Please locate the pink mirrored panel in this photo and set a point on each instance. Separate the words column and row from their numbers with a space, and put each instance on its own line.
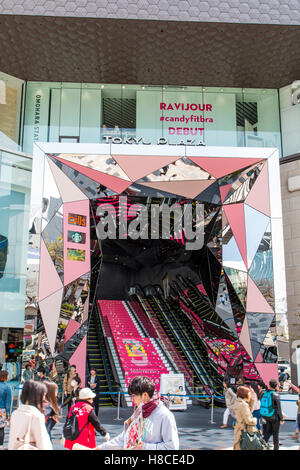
column 189, row 189
column 259, row 196
column 267, row 372
column 219, row 167
column 112, row 182
column 224, row 190
column 137, row 166
column 255, row 300
column 236, row 219
column 50, row 311
column 68, row 190
column 49, row 280
column 245, row 338
column 71, row 329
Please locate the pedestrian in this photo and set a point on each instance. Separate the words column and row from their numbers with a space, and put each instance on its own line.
column 87, row 421
column 51, row 406
column 296, row 434
column 5, row 404
column 28, row 373
column 94, row 384
column 159, row 425
column 67, row 384
column 32, row 362
column 258, row 392
column 71, row 398
column 271, row 412
column 243, row 412
column 27, row 424
column 225, row 293
column 41, row 374
column 230, row 398
column 283, row 377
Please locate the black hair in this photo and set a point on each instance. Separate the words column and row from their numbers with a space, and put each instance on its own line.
column 77, row 379
column 41, row 369
column 273, row 383
column 33, row 394
column 140, row 385
column 73, row 365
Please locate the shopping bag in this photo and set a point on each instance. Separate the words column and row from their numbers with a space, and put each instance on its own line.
column 252, row 441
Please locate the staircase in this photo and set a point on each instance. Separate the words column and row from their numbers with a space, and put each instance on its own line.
column 97, row 358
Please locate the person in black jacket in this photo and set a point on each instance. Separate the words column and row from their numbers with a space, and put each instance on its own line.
column 71, row 398
column 94, row 384
column 272, row 424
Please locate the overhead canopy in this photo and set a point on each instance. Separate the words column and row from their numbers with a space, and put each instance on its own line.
column 149, row 52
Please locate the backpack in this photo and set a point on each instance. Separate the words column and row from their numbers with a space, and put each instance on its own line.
column 266, row 405
column 71, row 428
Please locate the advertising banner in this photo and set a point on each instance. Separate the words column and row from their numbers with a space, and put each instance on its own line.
column 173, row 384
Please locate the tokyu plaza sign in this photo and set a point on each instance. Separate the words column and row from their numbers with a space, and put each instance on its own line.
column 109, row 139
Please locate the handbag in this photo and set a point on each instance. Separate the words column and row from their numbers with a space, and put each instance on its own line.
column 24, row 443
column 252, row 441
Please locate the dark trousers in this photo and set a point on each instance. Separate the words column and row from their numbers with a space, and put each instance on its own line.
column 50, row 423
column 1, row 436
column 271, row 428
column 96, row 404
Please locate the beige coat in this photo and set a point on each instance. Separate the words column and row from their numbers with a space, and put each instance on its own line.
column 21, row 419
column 244, row 419
column 230, row 399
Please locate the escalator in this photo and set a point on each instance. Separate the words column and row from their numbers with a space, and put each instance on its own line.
column 98, row 358
column 202, row 308
column 190, row 342
column 168, row 328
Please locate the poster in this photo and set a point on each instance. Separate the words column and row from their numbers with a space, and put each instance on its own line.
column 173, row 384
column 133, row 429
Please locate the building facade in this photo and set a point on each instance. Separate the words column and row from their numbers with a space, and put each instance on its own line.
column 172, row 74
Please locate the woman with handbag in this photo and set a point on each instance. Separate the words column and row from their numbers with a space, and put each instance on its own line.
column 51, row 406
column 27, row 424
column 5, row 402
column 243, row 412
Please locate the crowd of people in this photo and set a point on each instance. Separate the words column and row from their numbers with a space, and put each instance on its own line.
column 253, row 409
column 32, row 422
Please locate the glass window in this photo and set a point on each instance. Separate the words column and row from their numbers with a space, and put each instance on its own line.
column 70, row 112
column 11, row 91
column 260, row 111
column 15, row 181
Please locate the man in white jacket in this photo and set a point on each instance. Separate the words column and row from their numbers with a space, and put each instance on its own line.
column 159, row 425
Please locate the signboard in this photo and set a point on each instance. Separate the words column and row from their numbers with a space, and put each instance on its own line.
column 173, row 384
column 77, row 219
column 189, row 117
column 76, row 237
column 75, row 255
